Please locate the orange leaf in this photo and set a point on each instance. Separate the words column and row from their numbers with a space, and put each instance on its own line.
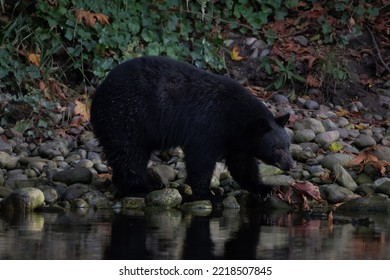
column 235, row 54
column 91, row 18
column 34, row 58
column 313, row 82
column 82, row 110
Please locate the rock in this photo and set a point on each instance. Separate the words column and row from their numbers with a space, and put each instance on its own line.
column 167, row 198
column 4, row 191
column 199, row 207
column 384, row 188
column 304, row 135
column 54, row 148
column 331, row 160
column 311, row 105
column 365, row 189
column 101, row 168
column 335, row 194
column 165, row 172
column 364, row 179
column 72, row 176
column 382, row 153
column 343, row 122
column 277, row 180
column 269, row 170
column 374, row 203
column 364, row 141
column 96, row 199
column 14, row 179
column 8, row 161
column 302, row 40
column 132, row 203
column 79, row 203
column 75, row 191
column 21, row 200
column 344, row 178
column 328, row 137
column 280, row 99
column 381, row 181
column 230, row 202
column 5, row 145
column 85, row 163
column 310, row 123
column 51, row 195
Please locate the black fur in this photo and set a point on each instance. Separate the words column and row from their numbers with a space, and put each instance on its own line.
column 155, row 103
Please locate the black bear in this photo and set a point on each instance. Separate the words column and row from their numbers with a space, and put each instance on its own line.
column 155, row 103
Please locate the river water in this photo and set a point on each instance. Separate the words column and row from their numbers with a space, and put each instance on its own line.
column 172, row 234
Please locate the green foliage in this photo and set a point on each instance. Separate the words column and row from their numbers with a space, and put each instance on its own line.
column 285, row 72
column 79, row 51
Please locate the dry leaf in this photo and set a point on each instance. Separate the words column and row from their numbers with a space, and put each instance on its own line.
column 307, row 189
column 235, row 54
column 82, row 110
column 34, row 58
column 91, row 18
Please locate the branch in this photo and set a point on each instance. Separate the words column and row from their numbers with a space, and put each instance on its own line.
column 377, row 49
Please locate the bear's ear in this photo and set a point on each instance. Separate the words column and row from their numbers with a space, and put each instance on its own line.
column 259, row 126
column 282, row 120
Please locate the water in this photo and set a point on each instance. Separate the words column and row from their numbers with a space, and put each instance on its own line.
column 172, row 234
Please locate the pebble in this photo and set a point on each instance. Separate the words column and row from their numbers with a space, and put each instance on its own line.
column 344, row 178
column 364, row 141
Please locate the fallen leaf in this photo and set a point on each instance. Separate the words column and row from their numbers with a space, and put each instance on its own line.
column 235, row 54
column 34, row 58
column 91, row 18
column 307, row 189
column 82, row 110
column 335, row 146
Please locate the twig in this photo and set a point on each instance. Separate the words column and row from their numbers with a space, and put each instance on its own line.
column 377, row 49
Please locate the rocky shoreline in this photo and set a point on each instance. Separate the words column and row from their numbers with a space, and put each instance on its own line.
column 344, row 157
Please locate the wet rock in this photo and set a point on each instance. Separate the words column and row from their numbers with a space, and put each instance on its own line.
column 374, row 203
column 230, row 202
column 335, row 194
column 331, row 160
column 4, row 191
column 96, row 199
column 75, row 191
column 8, row 161
column 310, row 123
column 72, row 176
column 364, row 141
column 199, row 207
column 304, row 135
column 167, row 198
column 132, row 203
column 79, row 203
column 26, row 199
column 344, row 178
column 51, row 195
column 327, row 137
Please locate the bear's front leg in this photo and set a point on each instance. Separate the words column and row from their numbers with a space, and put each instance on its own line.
column 200, row 170
column 245, row 171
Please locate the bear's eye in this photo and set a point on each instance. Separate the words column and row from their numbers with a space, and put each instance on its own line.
column 278, row 147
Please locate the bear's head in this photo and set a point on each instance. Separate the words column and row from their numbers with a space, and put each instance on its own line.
column 272, row 142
